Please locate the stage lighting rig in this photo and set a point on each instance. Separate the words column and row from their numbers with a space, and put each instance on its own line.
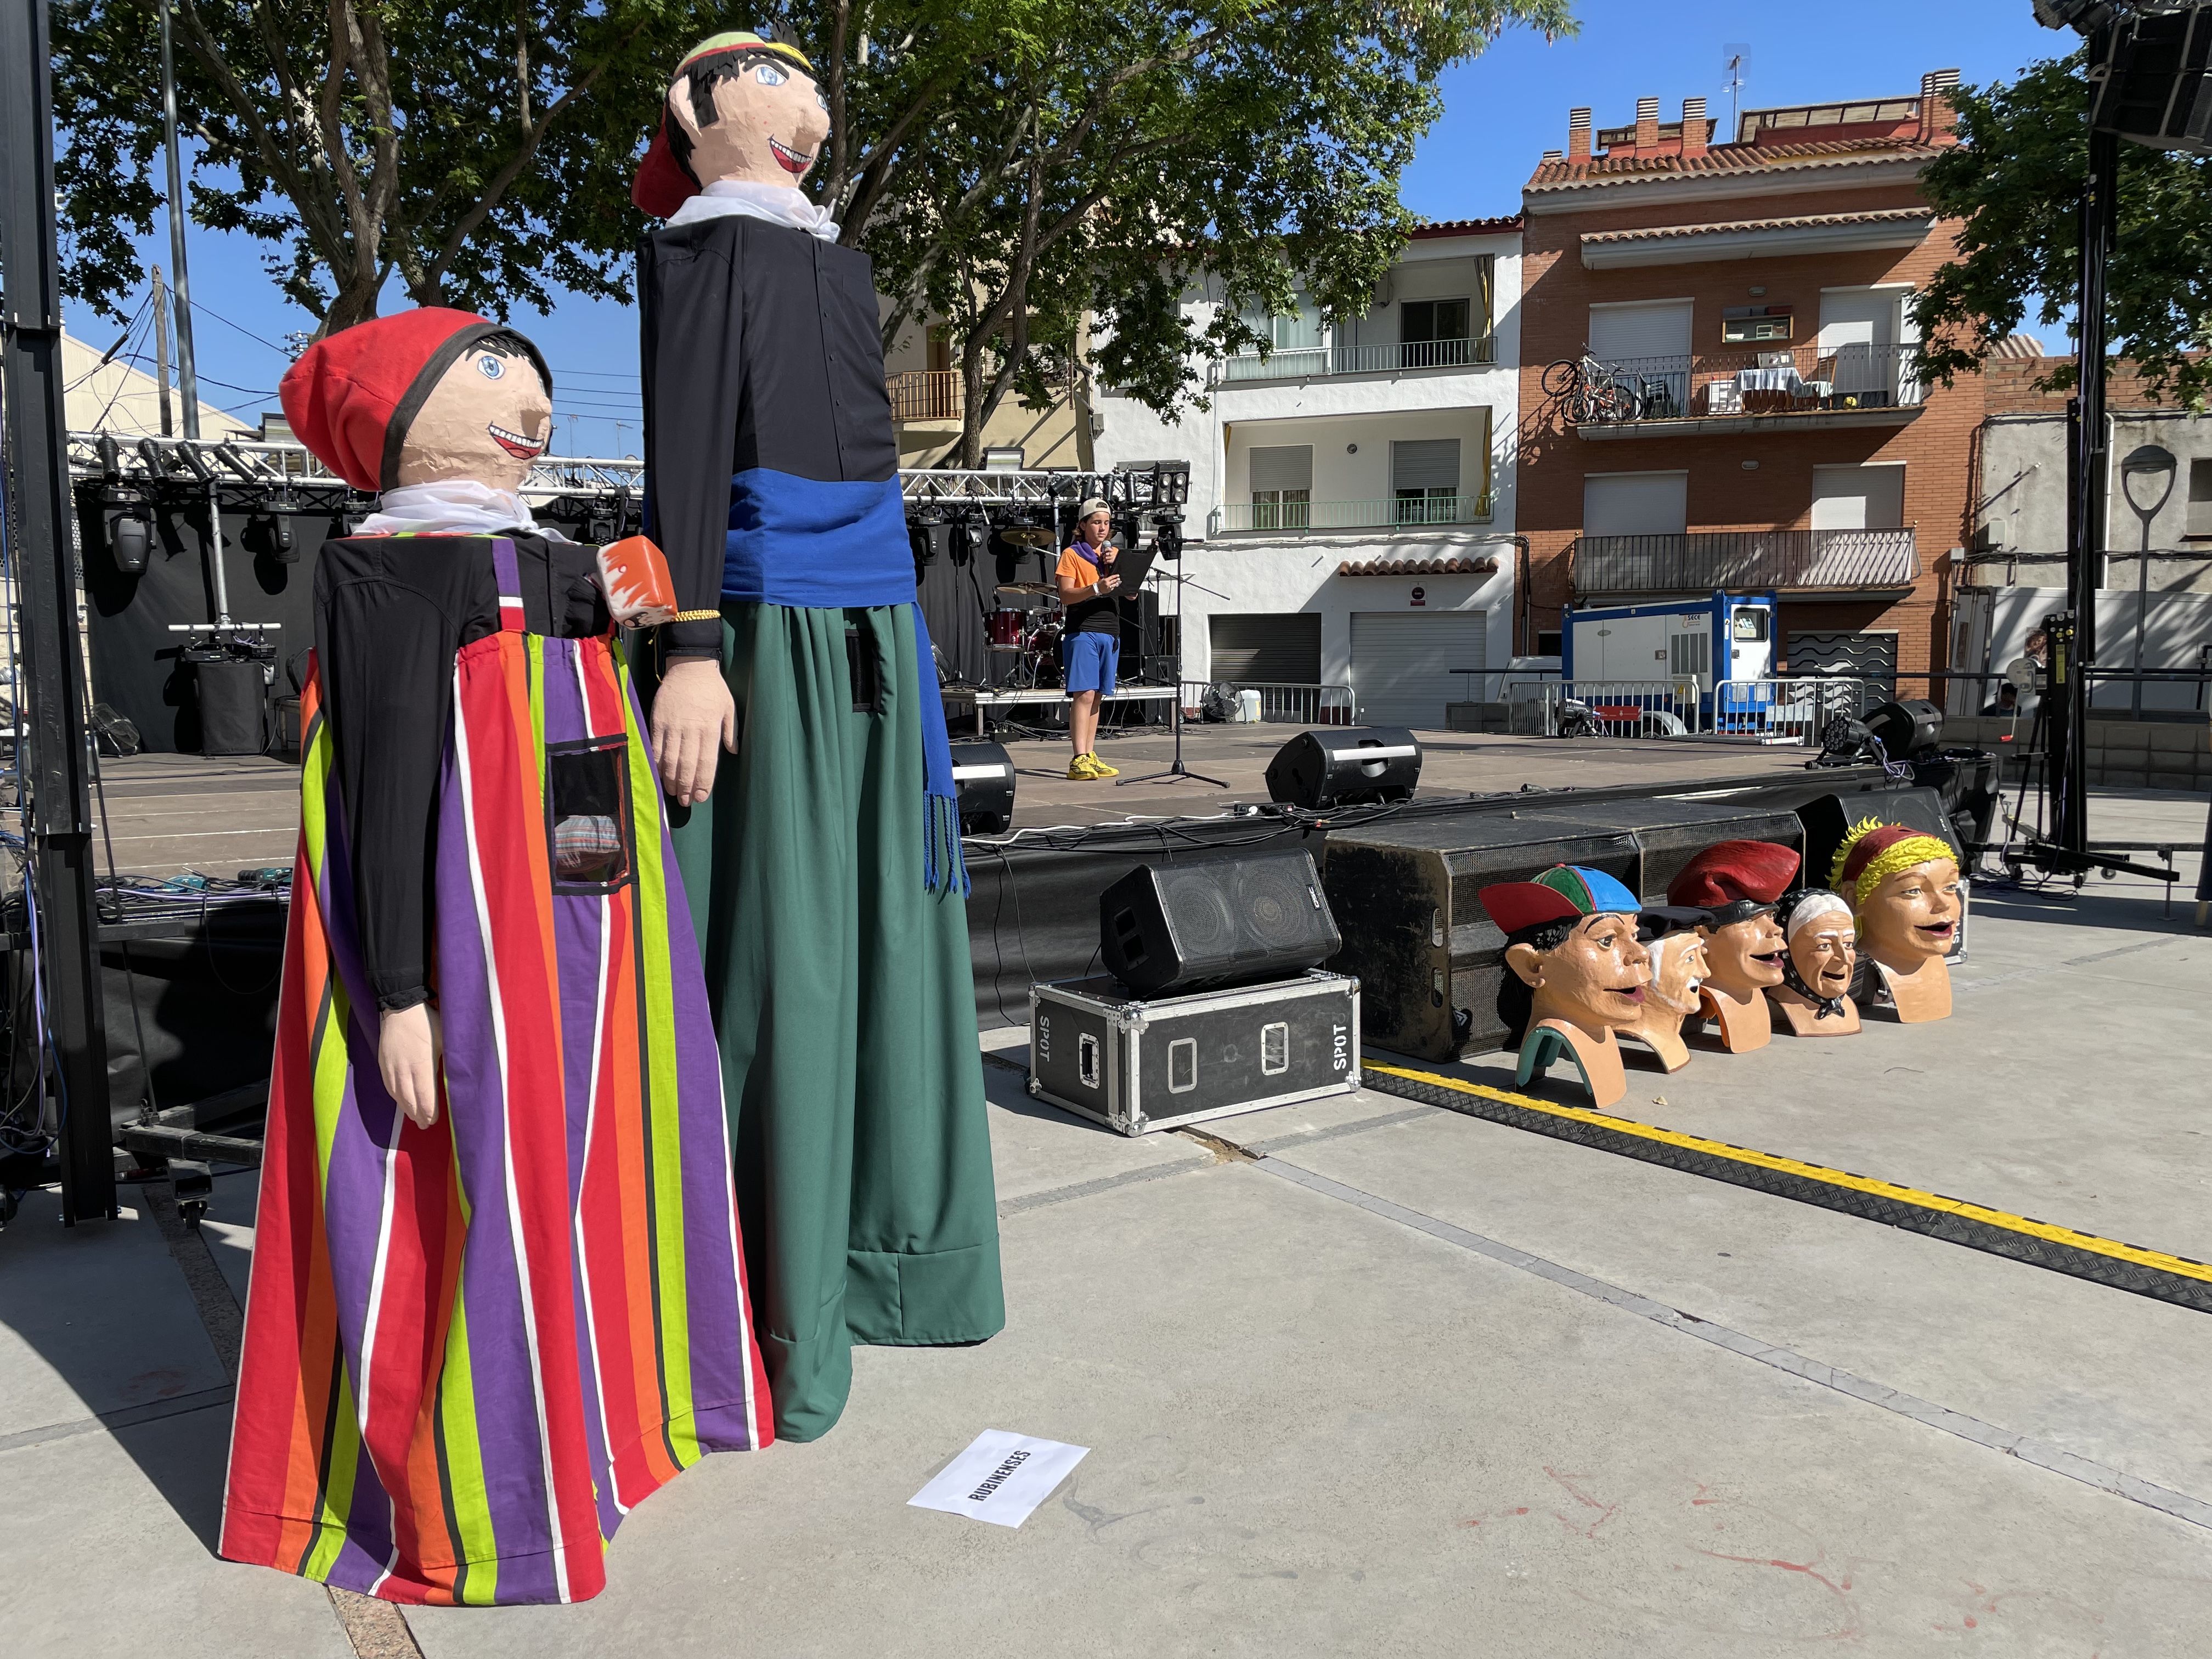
column 1167, row 536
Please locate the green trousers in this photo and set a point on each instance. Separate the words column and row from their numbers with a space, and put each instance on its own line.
column 845, row 1009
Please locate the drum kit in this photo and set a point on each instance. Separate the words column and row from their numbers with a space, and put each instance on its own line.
column 1030, row 635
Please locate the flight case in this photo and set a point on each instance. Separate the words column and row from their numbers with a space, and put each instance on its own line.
column 1136, row 1064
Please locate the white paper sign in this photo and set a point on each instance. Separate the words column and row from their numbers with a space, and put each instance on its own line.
column 1002, row 1478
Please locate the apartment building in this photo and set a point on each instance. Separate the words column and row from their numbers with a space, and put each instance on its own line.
column 1715, row 388
column 1352, row 502
column 928, row 394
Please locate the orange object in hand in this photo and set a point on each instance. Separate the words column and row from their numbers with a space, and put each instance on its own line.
column 634, row 575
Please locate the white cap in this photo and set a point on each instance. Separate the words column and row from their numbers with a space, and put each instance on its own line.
column 1094, row 504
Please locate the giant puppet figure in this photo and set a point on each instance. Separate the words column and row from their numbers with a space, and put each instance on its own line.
column 1575, row 973
column 1739, row 883
column 798, row 721
column 497, row 1297
column 1903, row 886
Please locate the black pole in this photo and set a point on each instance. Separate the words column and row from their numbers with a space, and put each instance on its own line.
column 2085, row 573
column 52, row 754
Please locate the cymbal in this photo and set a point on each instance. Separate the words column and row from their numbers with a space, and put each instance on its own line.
column 1018, row 536
column 1026, row 588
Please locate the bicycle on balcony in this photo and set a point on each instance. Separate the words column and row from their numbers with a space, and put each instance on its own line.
column 1587, row 392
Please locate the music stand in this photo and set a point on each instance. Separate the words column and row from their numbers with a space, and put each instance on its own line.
column 1176, row 771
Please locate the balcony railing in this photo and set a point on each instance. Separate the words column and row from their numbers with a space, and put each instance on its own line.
column 1307, row 362
column 1735, row 384
column 1701, row 561
column 927, row 395
column 1297, row 516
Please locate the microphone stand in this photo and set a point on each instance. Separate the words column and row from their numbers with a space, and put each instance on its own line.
column 1176, row 771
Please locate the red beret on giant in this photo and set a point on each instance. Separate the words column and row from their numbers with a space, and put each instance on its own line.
column 1735, row 872
column 351, row 395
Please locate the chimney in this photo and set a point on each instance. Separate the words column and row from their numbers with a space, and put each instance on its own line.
column 1697, row 133
column 1939, row 120
column 1555, row 155
column 1579, row 135
column 1647, row 124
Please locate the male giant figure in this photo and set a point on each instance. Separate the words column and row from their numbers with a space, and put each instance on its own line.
column 823, row 860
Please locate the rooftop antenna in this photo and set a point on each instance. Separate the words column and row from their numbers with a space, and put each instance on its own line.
column 1736, row 59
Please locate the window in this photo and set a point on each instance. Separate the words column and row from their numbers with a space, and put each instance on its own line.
column 1301, row 331
column 1425, row 480
column 1549, row 642
column 1870, row 497
column 1282, row 486
column 2198, row 527
column 587, row 814
column 1435, row 333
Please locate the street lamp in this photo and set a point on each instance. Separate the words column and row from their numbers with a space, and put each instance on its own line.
column 2147, row 474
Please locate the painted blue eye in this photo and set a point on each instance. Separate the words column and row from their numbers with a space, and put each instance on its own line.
column 822, row 98
column 769, row 75
column 490, row 366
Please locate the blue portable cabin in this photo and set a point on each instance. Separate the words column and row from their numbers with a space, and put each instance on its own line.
column 1723, row 638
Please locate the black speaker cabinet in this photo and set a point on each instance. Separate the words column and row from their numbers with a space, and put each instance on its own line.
column 1830, row 816
column 1426, row 954
column 1345, row 767
column 983, row 774
column 1183, row 927
column 1907, row 729
column 1965, row 780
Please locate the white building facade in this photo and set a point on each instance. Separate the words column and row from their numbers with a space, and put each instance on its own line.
column 1351, row 517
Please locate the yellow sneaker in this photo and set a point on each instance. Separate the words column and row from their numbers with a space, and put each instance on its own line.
column 1084, row 769
column 1100, row 769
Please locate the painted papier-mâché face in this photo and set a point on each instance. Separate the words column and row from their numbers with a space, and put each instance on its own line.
column 486, row 420
column 1595, row 980
column 1679, row 967
column 1746, row 956
column 1824, row 951
column 764, row 124
column 1912, row 915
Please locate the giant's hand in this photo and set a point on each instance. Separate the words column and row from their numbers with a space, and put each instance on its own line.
column 407, row 1051
column 692, row 712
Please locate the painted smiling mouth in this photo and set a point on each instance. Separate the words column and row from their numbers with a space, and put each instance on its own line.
column 790, row 159
column 1937, row 929
column 1633, row 993
column 1772, row 958
column 522, row 448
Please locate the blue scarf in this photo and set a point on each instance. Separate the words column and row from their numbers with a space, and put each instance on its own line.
column 809, row 544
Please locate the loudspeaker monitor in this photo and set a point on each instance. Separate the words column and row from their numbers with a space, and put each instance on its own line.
column 1350, row 766
column 983, row 775
column 1184, row 927
column 1907, row 728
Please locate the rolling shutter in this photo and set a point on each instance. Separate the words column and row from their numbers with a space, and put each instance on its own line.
column 1636, row 503
column 1282, row 467
column 1425, row 463
column 1278, row 649
column 1619, row 334
column 1403, row 664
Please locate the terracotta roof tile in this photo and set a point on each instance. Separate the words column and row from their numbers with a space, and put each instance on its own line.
column 1416, row 567
column 1880, row 216
column 1728, row 158
column 1502, row 226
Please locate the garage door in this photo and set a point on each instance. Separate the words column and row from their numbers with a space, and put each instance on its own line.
column 1262, row 648
column 1402, row 664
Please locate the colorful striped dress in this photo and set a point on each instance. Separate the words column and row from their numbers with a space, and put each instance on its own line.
column 471, row 1350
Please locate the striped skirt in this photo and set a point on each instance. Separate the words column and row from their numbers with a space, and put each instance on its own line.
column 470, row 1350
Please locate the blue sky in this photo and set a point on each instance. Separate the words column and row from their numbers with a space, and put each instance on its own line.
column 1501, row 112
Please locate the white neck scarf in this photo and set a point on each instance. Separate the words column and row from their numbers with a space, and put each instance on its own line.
column 454, row 507
column 780, row 204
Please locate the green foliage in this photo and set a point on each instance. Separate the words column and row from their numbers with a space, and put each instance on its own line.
column 2017, row 182
column 482, row 150
column 1046, row 177
column 1092, row 160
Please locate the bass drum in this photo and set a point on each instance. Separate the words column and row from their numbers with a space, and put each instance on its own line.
column 1044, row 653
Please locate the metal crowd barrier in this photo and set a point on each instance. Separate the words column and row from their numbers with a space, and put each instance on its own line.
column 1791, row 710
column 1622, row 708
column 1301, row 705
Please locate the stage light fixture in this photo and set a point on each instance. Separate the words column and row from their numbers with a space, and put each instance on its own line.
column 131, row 540
column 2156, row 90
column 272, row 531
column 1167, row 535
column 1008, row 460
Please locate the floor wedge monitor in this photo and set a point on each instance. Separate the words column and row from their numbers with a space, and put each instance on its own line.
column 1183, row 927
column 1346, row 766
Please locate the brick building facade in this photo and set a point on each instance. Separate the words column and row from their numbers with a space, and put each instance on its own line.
column 1746, row 418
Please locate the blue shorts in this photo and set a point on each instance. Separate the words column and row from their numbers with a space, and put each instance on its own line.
column 1090, row 659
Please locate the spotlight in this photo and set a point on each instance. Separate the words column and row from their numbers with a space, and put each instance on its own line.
column 1167, row 535
column 131, row 540
column 271, row 533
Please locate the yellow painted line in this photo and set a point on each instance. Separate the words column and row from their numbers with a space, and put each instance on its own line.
column 2179, row 1265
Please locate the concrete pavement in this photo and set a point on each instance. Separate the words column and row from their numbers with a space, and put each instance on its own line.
column 1371, row 1378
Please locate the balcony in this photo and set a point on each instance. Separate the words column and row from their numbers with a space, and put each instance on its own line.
column 1319, row 363
column 1856, row 561
column 1296, row 518
column 927, row 395
column 1713, row 392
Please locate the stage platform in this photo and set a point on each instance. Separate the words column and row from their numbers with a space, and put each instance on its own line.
column 171, row 813
column 1374, row 1375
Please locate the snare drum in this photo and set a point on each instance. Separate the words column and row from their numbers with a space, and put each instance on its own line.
column 1006, row 626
